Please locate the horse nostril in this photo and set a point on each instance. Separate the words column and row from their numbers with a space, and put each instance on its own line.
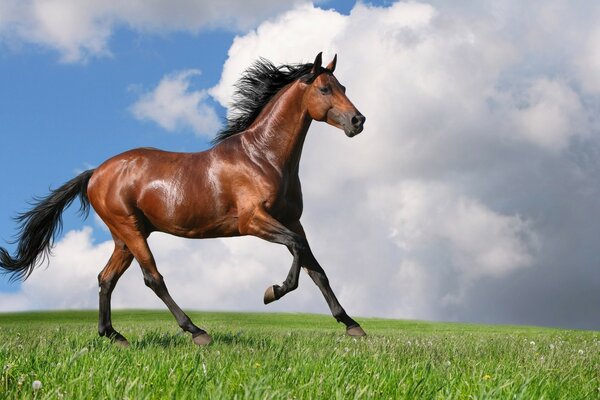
column 358, row 120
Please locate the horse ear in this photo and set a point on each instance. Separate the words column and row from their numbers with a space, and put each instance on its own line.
column 317, row 64
column 331, row 65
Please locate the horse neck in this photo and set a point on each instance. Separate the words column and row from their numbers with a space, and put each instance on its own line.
column 278, row 134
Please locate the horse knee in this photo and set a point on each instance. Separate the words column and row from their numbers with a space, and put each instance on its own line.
column 105, row 283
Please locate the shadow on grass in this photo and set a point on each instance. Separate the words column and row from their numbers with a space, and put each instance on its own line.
column 155, row 339
column 158, row 339
column 243, row 339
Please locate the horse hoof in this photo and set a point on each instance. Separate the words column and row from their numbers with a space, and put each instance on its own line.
column 270, row 295
column 121, row 343
column 201, row 339
column 355, row 331
column 118, row 340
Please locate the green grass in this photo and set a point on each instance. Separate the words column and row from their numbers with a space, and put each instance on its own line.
column 285, row 356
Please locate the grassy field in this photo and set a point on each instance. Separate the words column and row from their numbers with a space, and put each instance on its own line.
column 285, row 356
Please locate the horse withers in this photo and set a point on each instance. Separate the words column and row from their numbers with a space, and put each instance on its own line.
column 246, row 184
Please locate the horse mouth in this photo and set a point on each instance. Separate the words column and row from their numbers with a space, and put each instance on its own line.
column 353, row 131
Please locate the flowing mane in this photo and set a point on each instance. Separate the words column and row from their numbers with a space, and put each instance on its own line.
column 254, row 89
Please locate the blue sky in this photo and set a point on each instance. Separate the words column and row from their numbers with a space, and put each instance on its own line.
column 470, row 196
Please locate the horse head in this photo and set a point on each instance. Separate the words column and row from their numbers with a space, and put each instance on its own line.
column 325, row 99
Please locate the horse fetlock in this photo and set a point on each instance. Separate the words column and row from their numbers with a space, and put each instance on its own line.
column 188, row 326
column 106, row 330
column 341, row 316
column 113, row 336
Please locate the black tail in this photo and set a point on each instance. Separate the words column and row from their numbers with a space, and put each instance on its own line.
column 39, row 226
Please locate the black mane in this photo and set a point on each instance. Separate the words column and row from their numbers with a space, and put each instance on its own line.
column 254, row 89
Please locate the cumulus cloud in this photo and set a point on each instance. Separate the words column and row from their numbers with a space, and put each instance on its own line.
column 79, row 30
column 548, row 114
column 471, row 194
column 588, row 62
column 173, row 106
column 478, row 142
column 479, row 241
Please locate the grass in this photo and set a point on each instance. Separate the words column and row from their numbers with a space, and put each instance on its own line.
column 286, row 356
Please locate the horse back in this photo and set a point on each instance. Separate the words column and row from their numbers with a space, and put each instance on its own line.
column 161, row 191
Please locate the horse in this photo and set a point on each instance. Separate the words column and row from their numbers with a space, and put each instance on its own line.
column 247, row 183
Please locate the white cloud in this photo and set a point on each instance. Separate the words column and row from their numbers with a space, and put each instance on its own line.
column 550, row 115
column 480, row 241
column 588, row 62
column 79, row 30
column 173, row 106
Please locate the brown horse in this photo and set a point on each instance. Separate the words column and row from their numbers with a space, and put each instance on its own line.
column 246, row 184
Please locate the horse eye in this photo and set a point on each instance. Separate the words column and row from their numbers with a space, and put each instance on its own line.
column 325, row 89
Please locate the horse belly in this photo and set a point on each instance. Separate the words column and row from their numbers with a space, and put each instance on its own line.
column 184, row 213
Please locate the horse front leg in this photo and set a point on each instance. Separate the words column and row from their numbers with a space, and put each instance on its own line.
column 317, row 274
column 276, row 292
column 264, row 226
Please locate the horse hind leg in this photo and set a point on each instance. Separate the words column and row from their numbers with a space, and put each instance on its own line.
column 138, row 246
column 119, row 261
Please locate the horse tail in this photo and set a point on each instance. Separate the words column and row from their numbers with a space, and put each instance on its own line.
column 39, row 227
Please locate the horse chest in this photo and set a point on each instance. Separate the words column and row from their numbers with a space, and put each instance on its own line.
column 286, row 204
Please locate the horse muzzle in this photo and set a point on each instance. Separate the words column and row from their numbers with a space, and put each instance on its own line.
column 356, row 125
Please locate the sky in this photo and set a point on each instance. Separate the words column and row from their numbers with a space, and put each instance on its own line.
column 472, row 194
